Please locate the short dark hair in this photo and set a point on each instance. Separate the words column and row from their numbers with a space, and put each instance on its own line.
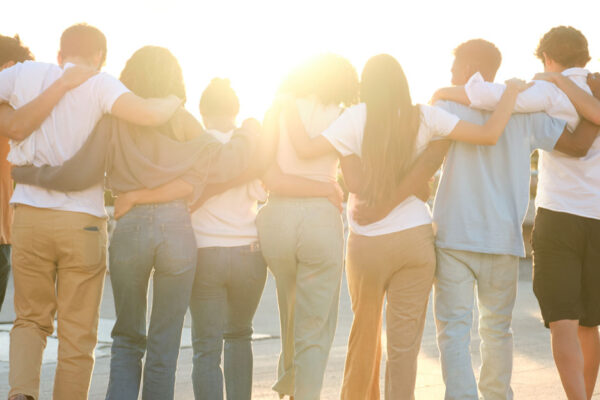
column 482, row 54
column 11, row 49
column 219, row 100
column 331, row 78
column 565, row 45
column 153, row 71
column 83, row 40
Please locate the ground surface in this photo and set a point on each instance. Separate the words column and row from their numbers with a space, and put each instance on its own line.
column 534, row 375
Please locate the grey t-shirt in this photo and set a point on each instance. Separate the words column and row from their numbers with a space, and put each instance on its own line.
column 483, row 193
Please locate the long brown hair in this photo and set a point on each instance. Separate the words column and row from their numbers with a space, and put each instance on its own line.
column 153, row 71
column 390, row 135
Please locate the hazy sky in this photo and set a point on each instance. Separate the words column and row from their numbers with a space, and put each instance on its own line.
column 256, row 42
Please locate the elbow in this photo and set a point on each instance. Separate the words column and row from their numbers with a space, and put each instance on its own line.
column 490, row 141
column 15, row 131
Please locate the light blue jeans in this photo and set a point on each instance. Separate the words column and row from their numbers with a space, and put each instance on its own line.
column 150, row 238
column 228, row 285
column 496, row 277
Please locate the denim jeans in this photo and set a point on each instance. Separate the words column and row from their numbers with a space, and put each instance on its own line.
column 150, row 238
column 496, row 277
column 4, row 270
column 228, row 285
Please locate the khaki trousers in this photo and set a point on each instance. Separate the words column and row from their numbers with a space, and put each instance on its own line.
column 302, row 241
column 59, row 264
column 401, row 266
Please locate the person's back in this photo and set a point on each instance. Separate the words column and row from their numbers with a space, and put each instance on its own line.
column 316, row 117
column 483, row 192
column 61, row 134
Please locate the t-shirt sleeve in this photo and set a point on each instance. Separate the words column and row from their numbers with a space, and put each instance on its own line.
column 109, row 89
column 438, row 121
column 8, row 78
column 545, row 131
column 486, row 95
column 346, row 132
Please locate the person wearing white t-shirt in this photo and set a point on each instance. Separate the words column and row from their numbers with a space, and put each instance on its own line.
column 59, row 242
column 394, row 257
column 566, row 235
column 302, row 235
column 231, row 271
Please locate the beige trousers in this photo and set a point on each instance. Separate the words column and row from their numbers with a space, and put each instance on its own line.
column 399, row 266
column 302, row 241
column 59, row 264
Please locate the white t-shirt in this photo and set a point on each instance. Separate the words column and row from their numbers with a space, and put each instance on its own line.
column 566, row 184
column 346, row 135
column 61, row 134
column 228, row 219
column 316, row 118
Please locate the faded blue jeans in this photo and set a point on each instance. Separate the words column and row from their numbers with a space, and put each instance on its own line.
column 228, row 285
column 154, row 238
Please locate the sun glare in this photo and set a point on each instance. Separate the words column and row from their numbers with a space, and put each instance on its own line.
column 255, row 44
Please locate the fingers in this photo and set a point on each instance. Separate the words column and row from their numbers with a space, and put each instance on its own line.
column 518, row 84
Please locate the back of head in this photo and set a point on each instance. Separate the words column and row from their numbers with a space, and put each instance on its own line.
column 153, row 72
column 478, row 55
column 565, row 45
column 219, row 100
column 84, row 41
column 329, row 77
column 392, row 126
column 13, row 51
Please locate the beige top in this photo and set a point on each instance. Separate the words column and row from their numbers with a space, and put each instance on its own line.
column 316, row 118
column 6, row 190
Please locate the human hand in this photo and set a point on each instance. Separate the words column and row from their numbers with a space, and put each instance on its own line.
column 517, row 85
column 365, row 214
column 76, row 75
column 593, row 80
column 336, row 196
column 124, row 203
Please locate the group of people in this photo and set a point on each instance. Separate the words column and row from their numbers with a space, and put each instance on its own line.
column 187, row 215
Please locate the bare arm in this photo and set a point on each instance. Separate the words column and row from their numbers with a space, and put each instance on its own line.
column 20, row 123
column 579, row 142
column 587, row 106
column 489, row 133
column 174, row 190
column 295, row 186
column 145, row 112
column 455, row 93
column 415, row 182
column 305, row 146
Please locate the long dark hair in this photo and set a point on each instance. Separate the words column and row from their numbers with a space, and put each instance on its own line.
column 390, row 135
column 153, row 71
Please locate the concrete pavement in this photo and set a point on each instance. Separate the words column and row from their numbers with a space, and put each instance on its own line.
column 534, row 375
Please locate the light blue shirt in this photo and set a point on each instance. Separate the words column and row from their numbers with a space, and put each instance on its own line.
column 483, row 193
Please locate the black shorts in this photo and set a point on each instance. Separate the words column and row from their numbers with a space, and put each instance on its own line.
column 566, row 267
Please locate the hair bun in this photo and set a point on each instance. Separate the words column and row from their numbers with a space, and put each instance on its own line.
column 221, row 82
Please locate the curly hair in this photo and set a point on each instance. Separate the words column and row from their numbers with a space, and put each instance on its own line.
column 219, row 99
column 153, row 71
column 83, row 40
column 565, row 45
column 11, row 49
column 331, row 78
